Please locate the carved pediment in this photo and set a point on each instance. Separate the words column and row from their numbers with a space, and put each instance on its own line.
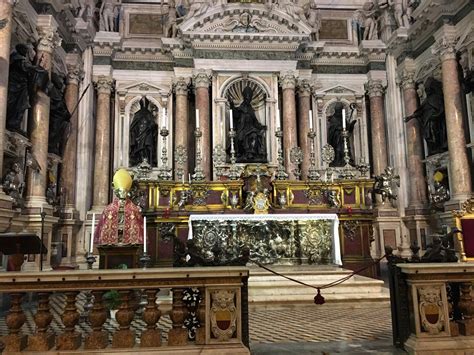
column 338, row 89
column 141, row 87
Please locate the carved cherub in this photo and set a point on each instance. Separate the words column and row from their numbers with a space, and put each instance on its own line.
column 383, row 184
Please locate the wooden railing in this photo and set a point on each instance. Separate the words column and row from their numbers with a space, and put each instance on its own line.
column 208, row 310
column 432, row 307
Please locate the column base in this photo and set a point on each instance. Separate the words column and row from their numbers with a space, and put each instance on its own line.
column 15, row 342
column 123, row 339
column 96, row 340
column 444, row 345
column 387, row 229
column 417, row 223
column 40, row 342
column 150, row 338
column 177, row 336
column 466, row 327
column 69, row 342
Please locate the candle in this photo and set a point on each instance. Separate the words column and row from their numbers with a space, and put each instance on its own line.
column 231, row 120
column 310, row 120
column 343, row 119
column 197, row 118
column 278, row 119
column 91, row 244
column 189, row 177
column 183, row 178
column 144, row 235
column 163, row 119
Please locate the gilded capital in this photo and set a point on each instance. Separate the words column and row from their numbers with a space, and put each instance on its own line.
column 201, row 79
column 181, row 86
column 406, row 79
column 288, row 80
column 104, row 84
column 49, row 39
column 304, row 87
column 375, row 88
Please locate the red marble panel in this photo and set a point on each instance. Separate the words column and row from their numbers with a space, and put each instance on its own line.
column 299, row 197
column 390, row 238
column 349, row 196
column 214, row 198
column 164, row 200
column 353, row 246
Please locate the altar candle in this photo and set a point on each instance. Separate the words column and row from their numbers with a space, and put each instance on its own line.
column 163, row 119
column 197, row 118
column 183, row 178
column 91, row 244
column 231, row 120
column 311, row 120
column 144, row 235
column 189, row 177
column 343, row 119
column 277, row 119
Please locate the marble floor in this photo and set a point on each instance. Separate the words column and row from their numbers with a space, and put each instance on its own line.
column 359, row 328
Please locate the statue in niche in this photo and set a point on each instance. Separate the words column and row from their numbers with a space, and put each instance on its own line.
column 13, row 184
column 432, row 118
column 59, row 118
column 109, row 14
column 366, row 21
column 143, row 135
column 25, row 79
column 87, row 7
column 250, row 133
column 402, row 10
column 335, row 138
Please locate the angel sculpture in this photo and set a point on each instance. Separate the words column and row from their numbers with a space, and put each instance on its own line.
column 171, row 25
column 196, row 8
column 294, row 8
column 384, row 182
column 367, row 19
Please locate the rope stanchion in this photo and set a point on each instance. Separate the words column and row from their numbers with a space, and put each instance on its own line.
column 319, row 299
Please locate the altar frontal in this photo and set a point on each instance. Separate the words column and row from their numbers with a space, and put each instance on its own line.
column 271, row 239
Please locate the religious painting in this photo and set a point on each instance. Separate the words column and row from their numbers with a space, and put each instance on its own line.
column 145, row 24
column 333, row 29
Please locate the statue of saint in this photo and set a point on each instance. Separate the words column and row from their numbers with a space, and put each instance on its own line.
column 59, row 119
column 25, row 78
column 335, row 138
column 432, row 118
column 250, row 133
column 143, row 135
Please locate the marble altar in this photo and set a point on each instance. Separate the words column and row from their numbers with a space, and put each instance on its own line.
column 272, row 238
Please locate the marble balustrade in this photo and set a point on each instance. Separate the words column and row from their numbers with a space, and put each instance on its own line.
column 136, row 289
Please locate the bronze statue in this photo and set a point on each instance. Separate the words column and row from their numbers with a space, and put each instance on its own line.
column 432, row 119
column 250, row 133
column 143, row 135
column 335, row 138
column 13, row 184
column 59, row 119
column 25, row 78
column 384, row 182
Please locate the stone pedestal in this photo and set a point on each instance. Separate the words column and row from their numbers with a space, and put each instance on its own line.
column 181, row 121
column 202, row 81
column 102, row 143
column 304, row 105
column 290, row 139
column 387, row 229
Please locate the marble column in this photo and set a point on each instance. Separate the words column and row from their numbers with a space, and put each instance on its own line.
column 290, row 138
column 38, row 124
column 102, row 143
column 304, row 105
column 202, row 81
column 68, row 176
column 460, row 173
column 181, row 122
column 417, row 186
column 6, row 9
column 375, row 90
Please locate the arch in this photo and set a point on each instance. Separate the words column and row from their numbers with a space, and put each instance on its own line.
column 232, row 80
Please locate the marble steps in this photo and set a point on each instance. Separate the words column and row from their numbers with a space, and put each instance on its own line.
column 266, row 288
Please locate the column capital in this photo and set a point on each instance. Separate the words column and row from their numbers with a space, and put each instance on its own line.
column 288, row 80
column 181, row 86
column 304, row 87
column 49, row 39
column 74, row 74
column 445, row 45
column 104, row 84
column 406, row 79
column 201, row 79
column 375, row 87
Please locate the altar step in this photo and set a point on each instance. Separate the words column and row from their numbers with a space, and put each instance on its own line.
column 266, row 288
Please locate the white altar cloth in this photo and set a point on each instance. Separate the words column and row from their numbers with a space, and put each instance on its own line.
column 336, row 250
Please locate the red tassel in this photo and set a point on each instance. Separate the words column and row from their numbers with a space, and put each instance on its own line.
column 318, row 299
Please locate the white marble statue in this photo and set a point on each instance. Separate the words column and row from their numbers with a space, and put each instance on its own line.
column 87, row 7
column 401, row 11
column 196, row 8
column 314, row 20
column 294, row 8
column 367, row 19
column 109, row 13
column 171, row 25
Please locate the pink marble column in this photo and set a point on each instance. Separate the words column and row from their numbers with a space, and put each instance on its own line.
column 417, row 186
column 68, row 175
column 38, row 125
column 102, row 143
column 181, row 124
column 304, row 105
column 460, row 173
column 290, row 139
column 6, row 8
column 375, row 91
column 202, row 82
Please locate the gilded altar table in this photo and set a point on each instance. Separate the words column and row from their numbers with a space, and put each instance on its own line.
column 271, row 238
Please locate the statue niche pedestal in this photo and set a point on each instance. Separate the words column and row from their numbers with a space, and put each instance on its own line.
column 111, row 256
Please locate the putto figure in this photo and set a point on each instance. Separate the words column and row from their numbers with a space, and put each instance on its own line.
column 384, row 184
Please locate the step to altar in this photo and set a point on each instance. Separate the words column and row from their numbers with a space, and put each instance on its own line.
column 268, row 289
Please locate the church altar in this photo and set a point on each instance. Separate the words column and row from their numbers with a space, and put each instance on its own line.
column 271, row 238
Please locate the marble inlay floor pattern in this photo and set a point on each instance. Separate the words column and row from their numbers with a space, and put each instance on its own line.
column 309, row 323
